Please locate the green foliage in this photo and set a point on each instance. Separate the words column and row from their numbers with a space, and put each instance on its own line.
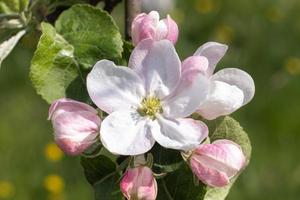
column 13, row 6
column 103, row 173
column 53, row 67
column 92, row 32
column 83, row 35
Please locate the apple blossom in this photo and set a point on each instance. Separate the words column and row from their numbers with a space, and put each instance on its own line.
column 139, row 184
column 148, row 101
column 230, row 88
column 145, row 26
column 215, row 164
column 76, row 125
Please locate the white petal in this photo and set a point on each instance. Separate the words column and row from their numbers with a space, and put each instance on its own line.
column 240, row 79
column 183, row 134
column 126, row 133
column 185, row 100
column 223, row 99
column 113, row 88
column 214, row 52
column 159, row 66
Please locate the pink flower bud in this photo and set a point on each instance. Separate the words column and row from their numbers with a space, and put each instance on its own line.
column 76, row 125
column 139, row 184
column 146, row 26
column 215, row 164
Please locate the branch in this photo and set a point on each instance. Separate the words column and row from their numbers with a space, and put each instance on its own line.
column 132, row 9
column 110, row 4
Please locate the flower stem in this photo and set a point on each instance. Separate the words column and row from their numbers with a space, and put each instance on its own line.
column 132, row 9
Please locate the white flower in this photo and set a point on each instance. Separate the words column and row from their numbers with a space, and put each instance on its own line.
column 230, row 88
column 148, row 101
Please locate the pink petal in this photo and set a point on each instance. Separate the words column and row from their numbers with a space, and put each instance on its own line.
column 173, row 31
column 209, row 176
column 195, row 63
column 75, row 131
column 139, row 183
column 68, row 105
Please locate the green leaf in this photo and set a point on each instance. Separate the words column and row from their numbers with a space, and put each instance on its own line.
column 165, row 160
column 102, row 173
column 53, row 68
column 108, row 188
column 97, row 168
column 92, row 32
column 7, row 46
column 180, row 184
column 13, row 6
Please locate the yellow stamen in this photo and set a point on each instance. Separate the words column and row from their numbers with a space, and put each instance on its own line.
column 150, row 107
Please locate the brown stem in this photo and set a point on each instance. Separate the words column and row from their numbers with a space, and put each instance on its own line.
column 110, row 4
column 132, row 9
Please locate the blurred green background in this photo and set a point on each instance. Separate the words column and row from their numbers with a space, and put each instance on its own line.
column 264, row 40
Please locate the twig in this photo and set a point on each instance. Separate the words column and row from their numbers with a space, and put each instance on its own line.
column 110, row 4
column 132, row 9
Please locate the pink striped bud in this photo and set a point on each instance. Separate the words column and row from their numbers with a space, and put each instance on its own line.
column 139, row 184
column 146, row 26
column 75, row 124
column 215, row 164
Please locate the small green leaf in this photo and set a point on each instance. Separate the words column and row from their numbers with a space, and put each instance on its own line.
column 7, row 46
column 165, row 160
column 97, row 168
column 92, row 32
column 53, row 68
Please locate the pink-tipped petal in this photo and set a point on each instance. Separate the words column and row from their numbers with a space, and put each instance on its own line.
column 184, row 134
column 68, row 105
column 208, row 176
column 215, row 164
column 173, row 31
column 148, row 26
column 139, row 184
column 195, row 63
column 75, row 131
column 214, row 52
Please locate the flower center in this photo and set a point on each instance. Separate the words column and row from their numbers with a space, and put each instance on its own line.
column 150, row 107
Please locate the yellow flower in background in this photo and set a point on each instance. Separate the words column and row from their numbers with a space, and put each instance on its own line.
column 224, row 33
column 274, row 14
column 54, row 184
column 52, row 152
column 7, row 190
column 292, row 65
column 206, row 6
